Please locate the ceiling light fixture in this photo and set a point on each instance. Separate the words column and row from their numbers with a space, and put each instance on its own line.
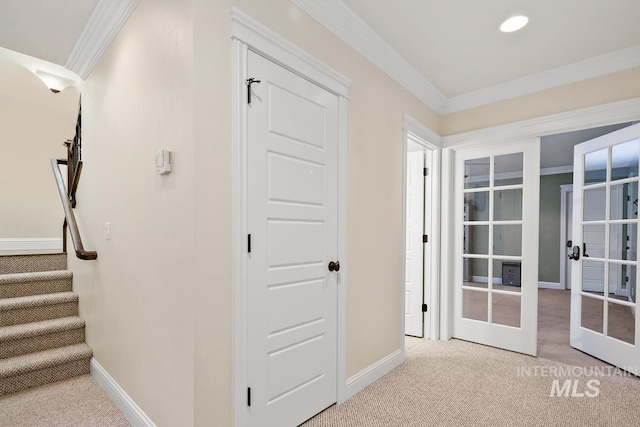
column 54, row 83
column 514, row 23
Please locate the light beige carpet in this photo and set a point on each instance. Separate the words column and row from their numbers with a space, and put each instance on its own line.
column 457, row 383
column 76, row 402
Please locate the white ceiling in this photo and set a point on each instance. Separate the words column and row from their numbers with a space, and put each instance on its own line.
column 446, row 52
column 457, row 46
column 44, row 29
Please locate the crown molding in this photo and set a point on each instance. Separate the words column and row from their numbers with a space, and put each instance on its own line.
column 348, row 27
column 600, row 115
column 590, row 68
column 103, row 26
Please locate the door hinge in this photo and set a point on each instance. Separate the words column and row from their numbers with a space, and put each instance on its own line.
column 424, row 308
column 249, row 83
column 248, row 396
column 249, row 243
column 425, row 238
column 426, row 171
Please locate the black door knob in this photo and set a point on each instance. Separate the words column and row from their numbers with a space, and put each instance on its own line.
column 334, row 266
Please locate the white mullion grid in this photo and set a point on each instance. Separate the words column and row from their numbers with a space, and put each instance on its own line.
column 624, row 181
column 508, row 257
column 606, row 299
column 490, row 262
column 503, row 292
column 475, row 256
column 607, row 236
column 475, row 289
column 623, row 221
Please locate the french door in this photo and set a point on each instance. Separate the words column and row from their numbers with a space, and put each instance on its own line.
column 605, row 252
column 496, row 245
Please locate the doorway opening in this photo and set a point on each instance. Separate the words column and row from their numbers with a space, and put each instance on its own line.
column 556, row 243
column 421, row 213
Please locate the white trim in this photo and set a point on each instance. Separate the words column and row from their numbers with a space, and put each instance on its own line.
column 549, row 285
column 31, row 244
column 373, row 373
column 485, row 279
column 600, row 115
column 247, row 33
column 446, row 258
column 583, row 70
column 106, row 21
column 556, row 170
column 122, row 400
column 564, row 207
column 353, row 31
column 272, row 45
column 431, row 141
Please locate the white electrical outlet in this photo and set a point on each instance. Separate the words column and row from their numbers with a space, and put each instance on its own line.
column 107, row 230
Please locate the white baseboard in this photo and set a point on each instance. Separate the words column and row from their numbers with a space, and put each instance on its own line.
column 549, row 285
column 373, row 373
column 131, row 411
column 30, row 244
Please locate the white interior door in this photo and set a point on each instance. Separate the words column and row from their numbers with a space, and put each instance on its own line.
column 496, row 237
column 292, row 221
column 605, row 227
column 414, row 274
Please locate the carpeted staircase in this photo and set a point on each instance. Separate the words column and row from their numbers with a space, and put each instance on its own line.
column 41, row 335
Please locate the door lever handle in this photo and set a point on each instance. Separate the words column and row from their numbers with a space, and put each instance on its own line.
column 576, row 253
column 334, row 266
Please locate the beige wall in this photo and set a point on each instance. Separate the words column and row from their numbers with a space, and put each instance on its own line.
column 138, row 297
column 158, row 301
column 34, row 122
column 587, row 93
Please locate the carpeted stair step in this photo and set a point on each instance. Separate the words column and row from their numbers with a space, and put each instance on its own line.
column 34, row 283
column 34, row 337
column 10, row 264
column 36, row 369
column 36, row 308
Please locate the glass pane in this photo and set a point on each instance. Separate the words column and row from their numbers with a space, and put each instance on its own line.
column 624, row 160
column 478, row 239
column 593, row 277
column 476, row 206
column 476, row 173
column 594, row 238
column 591, row 314
column 505, row 309
column 595, row 167
column 508, row 169
column 620, row 238
column 594, row 207
column 624, row 201
column 507, row 240
column 476, row 272
column 621, row 323
column 475, row 305
column 507, row 205
column 620, row 281
column 507, row 275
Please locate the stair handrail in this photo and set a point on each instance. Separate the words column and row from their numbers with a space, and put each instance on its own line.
column 70, row 218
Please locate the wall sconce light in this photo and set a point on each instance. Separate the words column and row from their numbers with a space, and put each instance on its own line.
column 54, row 83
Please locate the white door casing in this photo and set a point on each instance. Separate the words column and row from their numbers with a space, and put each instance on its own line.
column 605, row 219
column 485, row 310
column 414, row 274
column 292, row 220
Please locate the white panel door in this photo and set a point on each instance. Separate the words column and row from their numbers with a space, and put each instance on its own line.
column 496, row 237
column 292, row 205
column 414, row 273
column 605, row 230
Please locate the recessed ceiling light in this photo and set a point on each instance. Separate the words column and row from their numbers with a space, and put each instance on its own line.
column 514, row 23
